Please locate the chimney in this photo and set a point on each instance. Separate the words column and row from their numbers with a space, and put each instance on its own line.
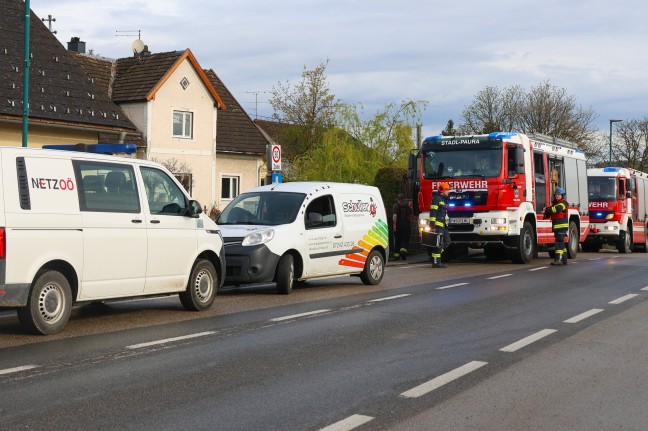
column 75, row 44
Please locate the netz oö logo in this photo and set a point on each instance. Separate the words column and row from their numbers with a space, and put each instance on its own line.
column 359, row 207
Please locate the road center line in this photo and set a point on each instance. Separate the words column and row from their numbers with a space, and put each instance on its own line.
column 387, row 298
column 498, row 276
column 623, row 298
column 17, row 369
column 527, row 340
column 443, row 379
column 170, row 340
column 349, row 423
column 584, row 315
column 538, row 268
column 295, row 316
column 451, row 285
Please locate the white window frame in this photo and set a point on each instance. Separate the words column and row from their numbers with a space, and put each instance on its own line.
column 184, row 115
column 232, row 193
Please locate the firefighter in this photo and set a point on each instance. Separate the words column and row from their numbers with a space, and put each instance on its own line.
column 559, row 224
column 401, row 216
column 437, row 223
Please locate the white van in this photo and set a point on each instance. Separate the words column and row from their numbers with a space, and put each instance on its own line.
column 78, row 227
column 296, row 231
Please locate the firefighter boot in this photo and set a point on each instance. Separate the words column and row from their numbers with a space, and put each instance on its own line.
column 403, row 253
column 557, row 260
column 564, row 258
column 436, row 263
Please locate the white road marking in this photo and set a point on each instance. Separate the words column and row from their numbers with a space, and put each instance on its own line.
column 584, row 315
column 443, row 379
column 527, row 340
column 295, row 316
column 349, row 423
column 170, row 340
column 644, row 288
column 414, row 265
column 595, row 258
column 623, row 298
column 451, row 285
column 538, row 268
column 387, row 298
column 17, row 369
column 498, row 276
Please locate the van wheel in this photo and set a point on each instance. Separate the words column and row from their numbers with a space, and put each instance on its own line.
column 49, row 305
column 201, row 288
column 573, row 240
column 285, row 274
column 374, row 268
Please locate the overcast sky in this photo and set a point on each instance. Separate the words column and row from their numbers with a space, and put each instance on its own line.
column 383, row 51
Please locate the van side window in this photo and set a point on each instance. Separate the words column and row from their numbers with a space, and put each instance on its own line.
column 106, row 187
column 320, row 213
column 164, row 196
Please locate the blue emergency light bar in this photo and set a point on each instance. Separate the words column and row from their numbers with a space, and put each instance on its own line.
column 611, row 169
column 96, row 148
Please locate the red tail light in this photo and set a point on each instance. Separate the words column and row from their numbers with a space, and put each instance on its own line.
column 3, row 243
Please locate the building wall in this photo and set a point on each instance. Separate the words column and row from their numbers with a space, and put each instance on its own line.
column 197, row 152
column 249, row 169
column 11, row 135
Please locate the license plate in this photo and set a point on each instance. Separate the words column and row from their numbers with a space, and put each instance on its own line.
column 459, row 220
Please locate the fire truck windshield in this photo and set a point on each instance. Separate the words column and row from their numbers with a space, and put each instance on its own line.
column 602, row 189
column 461, row 163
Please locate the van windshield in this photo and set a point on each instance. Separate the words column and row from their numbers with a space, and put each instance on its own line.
column 262, row 208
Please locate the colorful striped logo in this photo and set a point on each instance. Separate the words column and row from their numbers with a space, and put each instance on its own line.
column 377, row 235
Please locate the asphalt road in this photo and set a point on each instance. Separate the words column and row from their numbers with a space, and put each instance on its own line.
column 474, row 346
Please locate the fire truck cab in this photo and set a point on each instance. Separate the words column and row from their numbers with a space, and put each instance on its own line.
column 500, row 184
column 617, row 208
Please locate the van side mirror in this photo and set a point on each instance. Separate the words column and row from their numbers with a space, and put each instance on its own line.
column 194, row 209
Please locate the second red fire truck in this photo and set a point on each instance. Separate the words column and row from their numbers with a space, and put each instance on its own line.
column 618, row 209
column 500, row 183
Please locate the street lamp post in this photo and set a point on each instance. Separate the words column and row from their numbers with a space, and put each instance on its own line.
column 612, row 121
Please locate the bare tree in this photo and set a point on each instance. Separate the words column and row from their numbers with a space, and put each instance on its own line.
column 307, row 103
column 550, row 110
column 544, row 109
column 631, row 147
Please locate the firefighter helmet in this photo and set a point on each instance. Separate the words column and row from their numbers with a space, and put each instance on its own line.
column 559, row 191
column 443, row 187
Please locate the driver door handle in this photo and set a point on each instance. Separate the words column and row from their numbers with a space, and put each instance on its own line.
column 338, row 236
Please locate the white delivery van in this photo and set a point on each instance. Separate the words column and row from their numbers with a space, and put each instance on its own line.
column 78, row 227
column 297, row 231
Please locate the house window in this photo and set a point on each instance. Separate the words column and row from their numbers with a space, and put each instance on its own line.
column 229, row 187
column 182, row 124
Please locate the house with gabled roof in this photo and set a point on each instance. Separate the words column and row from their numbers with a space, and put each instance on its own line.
column 65, row 104
column 186, row 113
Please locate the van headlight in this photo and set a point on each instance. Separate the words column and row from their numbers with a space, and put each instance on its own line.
column 256, row 238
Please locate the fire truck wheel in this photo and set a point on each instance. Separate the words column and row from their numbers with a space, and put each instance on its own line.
column 572, row 242
column 625, row 242
column 525, row 245
column 644, row 249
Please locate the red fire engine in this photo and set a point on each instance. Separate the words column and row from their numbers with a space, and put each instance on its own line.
column 618, row 209
column 500, row 184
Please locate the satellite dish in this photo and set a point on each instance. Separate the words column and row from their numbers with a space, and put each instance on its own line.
column 138, row 46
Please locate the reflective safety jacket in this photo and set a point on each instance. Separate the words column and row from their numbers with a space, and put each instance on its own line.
column 438, row 211
column 558, row 214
